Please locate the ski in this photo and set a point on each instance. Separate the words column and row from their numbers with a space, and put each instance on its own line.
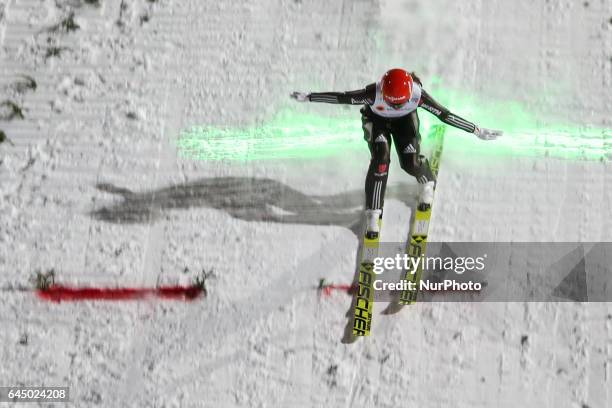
column 417, row 244
column 364, row 297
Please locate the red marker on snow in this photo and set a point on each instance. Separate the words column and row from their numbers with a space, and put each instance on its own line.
column 48, row 290
column 326, row 289
column 61, row 293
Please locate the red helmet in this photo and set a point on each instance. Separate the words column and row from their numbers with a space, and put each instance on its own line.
column 396, row 86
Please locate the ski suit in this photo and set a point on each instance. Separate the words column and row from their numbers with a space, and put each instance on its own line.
column 382, row 123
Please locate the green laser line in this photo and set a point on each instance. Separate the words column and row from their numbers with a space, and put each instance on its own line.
column 292, row 134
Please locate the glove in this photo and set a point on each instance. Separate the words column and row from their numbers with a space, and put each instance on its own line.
column 487, row 134
column 300, row 96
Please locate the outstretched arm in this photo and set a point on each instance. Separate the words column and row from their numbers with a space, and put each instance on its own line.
column 430, row 105
column 358, row 97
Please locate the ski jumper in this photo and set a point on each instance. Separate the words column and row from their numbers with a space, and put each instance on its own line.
column 383, row 123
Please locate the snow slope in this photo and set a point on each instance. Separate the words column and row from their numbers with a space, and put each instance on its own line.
column 108, row 109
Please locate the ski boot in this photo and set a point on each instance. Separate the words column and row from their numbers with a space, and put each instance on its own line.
column 372, row 228
column 427, row 195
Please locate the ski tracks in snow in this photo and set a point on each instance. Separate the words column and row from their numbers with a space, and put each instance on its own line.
column 152, row 258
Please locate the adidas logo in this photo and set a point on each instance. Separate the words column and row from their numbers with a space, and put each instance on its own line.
column 410, row 149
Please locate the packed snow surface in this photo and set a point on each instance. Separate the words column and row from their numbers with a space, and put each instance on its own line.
column 92, row 186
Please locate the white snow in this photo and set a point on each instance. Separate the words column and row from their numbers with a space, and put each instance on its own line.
column 108, row 109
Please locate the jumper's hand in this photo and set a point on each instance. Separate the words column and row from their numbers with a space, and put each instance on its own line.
column 300, row 96
column 487, row 134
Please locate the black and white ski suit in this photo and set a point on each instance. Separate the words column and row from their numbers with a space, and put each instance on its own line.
column 382, row 122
